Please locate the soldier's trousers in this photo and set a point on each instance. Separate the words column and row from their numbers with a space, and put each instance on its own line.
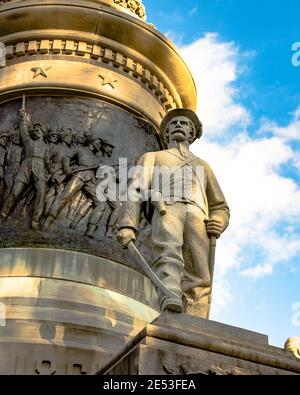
column 181, row 244
column 40, row 187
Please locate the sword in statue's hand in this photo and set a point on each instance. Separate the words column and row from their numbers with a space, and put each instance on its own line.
column 149, row 272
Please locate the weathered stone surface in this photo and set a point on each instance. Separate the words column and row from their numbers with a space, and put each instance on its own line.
column 128, row 137
column 180, row 345
column 65, row 309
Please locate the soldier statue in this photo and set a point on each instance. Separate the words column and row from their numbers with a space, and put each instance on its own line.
column 181, row 231
column 14, row 160
column 57, row 152
column 4, row 141
column 80, row 177
column 99, row 206
column 33, row 168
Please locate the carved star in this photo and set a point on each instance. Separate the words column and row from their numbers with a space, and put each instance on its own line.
column 40, row 71
column 107, row 80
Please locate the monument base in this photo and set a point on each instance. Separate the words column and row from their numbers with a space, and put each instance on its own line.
column 176, row 344
column 67, row 313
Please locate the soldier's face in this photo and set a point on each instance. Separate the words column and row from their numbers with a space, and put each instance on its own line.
column 37, row 132
column 3, row 141
column 16, row 139
column 53, row 138
column 67, row 138
column 179, row 129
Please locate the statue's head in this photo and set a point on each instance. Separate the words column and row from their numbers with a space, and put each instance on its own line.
column 4, row 139
column 80, row 138
column 53, row 136
column 37, row 132
column 181, row 125
column 67, row 136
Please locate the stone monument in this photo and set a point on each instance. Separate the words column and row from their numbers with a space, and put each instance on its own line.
column 87, row 88
column 84, row 83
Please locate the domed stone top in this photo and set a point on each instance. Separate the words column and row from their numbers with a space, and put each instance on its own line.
column 134, row 7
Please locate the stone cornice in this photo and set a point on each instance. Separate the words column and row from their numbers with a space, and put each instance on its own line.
column 56, row 48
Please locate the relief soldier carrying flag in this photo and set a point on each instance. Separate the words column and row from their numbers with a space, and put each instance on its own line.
column 182, row 223
column 33, row 168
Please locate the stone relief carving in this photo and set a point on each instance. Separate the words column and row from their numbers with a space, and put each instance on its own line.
column 186, row 370
column 52, row 159
column 45, row 367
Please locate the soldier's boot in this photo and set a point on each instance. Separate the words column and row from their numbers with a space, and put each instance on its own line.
column 110, row 232
column 75, row 222
column 73, row 225
column 79, row 217
column 8, row 205
column 91, row 229
column 35, row 225
column 171, row 304
column 48, row 222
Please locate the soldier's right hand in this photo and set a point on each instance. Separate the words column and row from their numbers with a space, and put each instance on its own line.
column 125, row 236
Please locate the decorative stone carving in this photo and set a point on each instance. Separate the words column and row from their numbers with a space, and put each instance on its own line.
column 212, row 371
column 49, row 159
column 128, row 65
column 45, row 367
column 134, row 6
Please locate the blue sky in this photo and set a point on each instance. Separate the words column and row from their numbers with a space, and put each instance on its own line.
column 249, row 100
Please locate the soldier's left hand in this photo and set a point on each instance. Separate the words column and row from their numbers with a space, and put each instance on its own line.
column 214, row 226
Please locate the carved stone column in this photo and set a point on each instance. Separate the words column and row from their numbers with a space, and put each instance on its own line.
column 71, row 297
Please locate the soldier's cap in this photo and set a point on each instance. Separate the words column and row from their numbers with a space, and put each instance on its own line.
column 67, row 131
column 183, row 112
column 39, row 125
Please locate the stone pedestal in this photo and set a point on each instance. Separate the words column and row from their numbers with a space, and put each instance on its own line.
column 68, row 312
column 181, row 345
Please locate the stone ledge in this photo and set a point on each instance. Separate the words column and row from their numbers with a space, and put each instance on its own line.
column 181, row 345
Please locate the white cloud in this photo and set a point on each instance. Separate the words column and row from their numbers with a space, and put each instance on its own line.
column 214, row 65
column 222, row 296
column 259, row 197
column 258, row 271
column 289, row 132
column 265, row 204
